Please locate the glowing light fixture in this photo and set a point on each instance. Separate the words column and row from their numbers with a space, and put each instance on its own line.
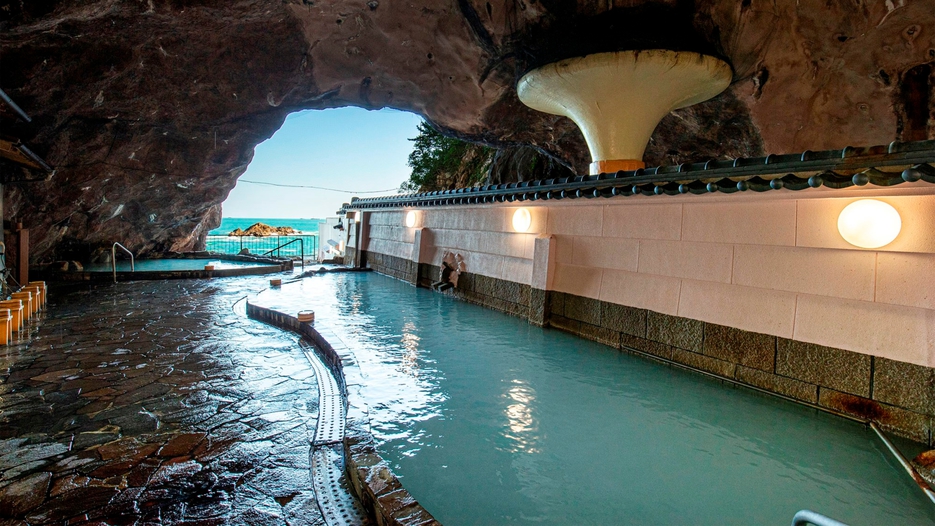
column 411, row 219
column 521, row 220
column 869, row 223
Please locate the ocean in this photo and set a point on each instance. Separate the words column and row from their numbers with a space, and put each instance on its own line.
column 219, row 241
column 229, row 224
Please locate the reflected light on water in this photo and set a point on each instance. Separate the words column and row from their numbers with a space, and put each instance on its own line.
column 522, row 425
column 484, row 419
column 409, row 363
column 354, row 303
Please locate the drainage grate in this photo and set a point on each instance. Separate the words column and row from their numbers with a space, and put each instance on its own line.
column 335, row 500
column 330, row 428
column 337, row 505
column 332, row 490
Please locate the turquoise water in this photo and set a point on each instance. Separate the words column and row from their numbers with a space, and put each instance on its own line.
column 489, row 420
column 218, row 240
column 262, row 245
column 144, row 265
column 229, row 224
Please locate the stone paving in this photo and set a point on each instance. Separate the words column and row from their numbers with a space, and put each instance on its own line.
column 155, row 403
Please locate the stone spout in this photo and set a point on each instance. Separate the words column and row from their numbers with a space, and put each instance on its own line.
column 618, row 98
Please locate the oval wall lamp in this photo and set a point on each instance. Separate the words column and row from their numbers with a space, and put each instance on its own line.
column 869, row 223
column 411, row 219
column 521, row 220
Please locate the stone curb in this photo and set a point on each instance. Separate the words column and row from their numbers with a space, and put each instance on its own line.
column 274, row 266
column 379, row 490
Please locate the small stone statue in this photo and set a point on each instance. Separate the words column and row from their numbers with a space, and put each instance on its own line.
column 452, row 265
column 457, row 270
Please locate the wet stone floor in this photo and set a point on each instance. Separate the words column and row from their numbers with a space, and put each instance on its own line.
column 155, row 403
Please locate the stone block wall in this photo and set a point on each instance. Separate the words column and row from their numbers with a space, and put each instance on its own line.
column 897, row 395
column 385, row 233
column 505, row 296
column 392, row 266
column 483, row 236
column 772, row 266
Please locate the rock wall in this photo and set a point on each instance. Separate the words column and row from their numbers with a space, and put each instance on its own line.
column 150, row 109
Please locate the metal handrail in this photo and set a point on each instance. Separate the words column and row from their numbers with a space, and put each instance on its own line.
column 923, row 485
column 301, row 245
column 113, row 259
column 804, row 517
column 255, row 244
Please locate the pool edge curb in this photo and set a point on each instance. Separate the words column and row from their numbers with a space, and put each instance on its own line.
column 266, row 265
column 376, row 486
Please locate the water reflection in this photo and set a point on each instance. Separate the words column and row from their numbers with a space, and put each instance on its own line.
column 522, row 424
column 353, row 303
column 488, row 420
column 409, row 363
column 402, row 384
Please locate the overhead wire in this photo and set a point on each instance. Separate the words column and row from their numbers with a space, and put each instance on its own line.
column 317, row 187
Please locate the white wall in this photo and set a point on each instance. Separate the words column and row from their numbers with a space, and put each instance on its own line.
column 482, row 235
column 327, row 231
column 771, row 263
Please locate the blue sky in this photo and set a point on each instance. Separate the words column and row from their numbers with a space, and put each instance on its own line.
column 344, row 148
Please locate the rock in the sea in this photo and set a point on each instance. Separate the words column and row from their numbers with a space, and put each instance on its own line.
column 262, row 229
column 150, row 114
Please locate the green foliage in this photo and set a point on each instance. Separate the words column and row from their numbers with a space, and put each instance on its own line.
column 438, row 162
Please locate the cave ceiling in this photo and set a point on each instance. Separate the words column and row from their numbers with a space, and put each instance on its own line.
column 150, row 109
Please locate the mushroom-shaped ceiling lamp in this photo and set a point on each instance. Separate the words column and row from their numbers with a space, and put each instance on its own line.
column 618, row 98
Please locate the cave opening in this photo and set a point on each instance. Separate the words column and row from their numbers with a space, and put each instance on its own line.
column 316, row 161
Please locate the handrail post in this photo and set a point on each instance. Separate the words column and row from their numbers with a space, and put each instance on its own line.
column 113, row 259
column 302, row 246
column 924, row 486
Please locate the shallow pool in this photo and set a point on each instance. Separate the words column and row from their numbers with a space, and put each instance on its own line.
column 170, row 265
column 489, row 420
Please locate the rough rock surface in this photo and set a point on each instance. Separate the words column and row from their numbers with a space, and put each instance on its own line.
column 524, row 164
column 150, row 109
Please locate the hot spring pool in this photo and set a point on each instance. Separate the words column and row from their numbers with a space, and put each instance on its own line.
column 173, row 265
column 489, row 420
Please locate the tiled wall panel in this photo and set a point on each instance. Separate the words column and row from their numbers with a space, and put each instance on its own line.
column 773, row 266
